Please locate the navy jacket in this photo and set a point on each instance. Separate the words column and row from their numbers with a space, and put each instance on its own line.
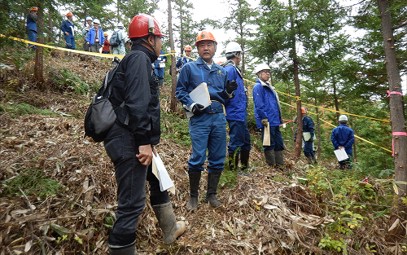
column 344, row 136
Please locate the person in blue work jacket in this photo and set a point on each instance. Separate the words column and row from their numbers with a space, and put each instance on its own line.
column 308, row 132
column 267, row 112
column 236, row 111
column 31, row 26
column 343, row 137
column 95, row 37
column 207, row 126
column 68, row 29
column 159, row 67
column 184, row 59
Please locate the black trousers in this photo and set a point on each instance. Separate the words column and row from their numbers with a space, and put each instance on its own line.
column 131, row 178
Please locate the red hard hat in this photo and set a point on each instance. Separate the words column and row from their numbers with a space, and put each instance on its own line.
column 34, row 8
column 204, row 36
column 69, row 14
column 142, row 25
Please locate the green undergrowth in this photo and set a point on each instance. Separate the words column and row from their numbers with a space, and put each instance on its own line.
column 175, row 128
column 31, row 182
column 354, row 201
column 23, row 109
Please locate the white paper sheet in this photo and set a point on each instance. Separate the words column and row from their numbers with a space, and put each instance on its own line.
column 341, row 154
column 266, row 137
column 201, row 96
column 306, row 136
column 162, row 175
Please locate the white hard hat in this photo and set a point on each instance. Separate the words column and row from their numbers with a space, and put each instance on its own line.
column 96, row 21
column 343, row 118
column 233, row 47
column 261, row 67
column 120, row 24
column 88, row 18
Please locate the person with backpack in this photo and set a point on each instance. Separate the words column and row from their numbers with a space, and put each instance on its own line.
column 118, row 40
column 68, row 29
column 343, row 137
column 159, row 67
column 236, row 111
column 130, row 142
column 31, row 26
column 207, row 126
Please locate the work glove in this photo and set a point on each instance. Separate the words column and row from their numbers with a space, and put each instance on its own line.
column 231, row 86
column 264, row 122
column 197, row 109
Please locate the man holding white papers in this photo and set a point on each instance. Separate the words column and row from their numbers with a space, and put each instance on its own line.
column 308, row 134
column 267, row 113
column 342, row 138
column 207, row 125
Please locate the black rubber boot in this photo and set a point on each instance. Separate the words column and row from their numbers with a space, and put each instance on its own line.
column 128, row 250
column 244, row 160
column 279, row 159
column 309, row 160
column 270, row 158
column 314, row 160
column 194, row 178
column 213, row 181
column 167, row 221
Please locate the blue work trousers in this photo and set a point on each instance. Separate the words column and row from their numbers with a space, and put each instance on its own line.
column 70, row 42
column 308, row 148
column 131, row 178
column 276, row 139
column 208, row 132
column 239, row 136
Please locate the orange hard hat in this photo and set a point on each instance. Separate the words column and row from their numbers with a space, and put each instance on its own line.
column 204, row 36
column 34, row 8
column 303, row 110
column 69, row 14
column 188, row 48
column 142, row 25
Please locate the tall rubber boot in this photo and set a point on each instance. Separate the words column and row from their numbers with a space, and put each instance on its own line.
column 168, row 224
column 314, row 160
column 244, row 159
column 194, row 178
column 270, row 158
column 309, row 159
column 233, row 161
column 213, row 181
column 279, row 158
column 128, row 250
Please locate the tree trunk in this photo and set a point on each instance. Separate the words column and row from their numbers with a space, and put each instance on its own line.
column 173, row 104
column 298, row 140
column 396, row 116
column 39, row 52
column 396, row 99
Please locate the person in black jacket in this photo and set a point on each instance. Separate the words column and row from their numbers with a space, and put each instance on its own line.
column 130, row 142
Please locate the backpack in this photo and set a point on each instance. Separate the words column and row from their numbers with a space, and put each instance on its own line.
column 100, row 115
column 115, row 40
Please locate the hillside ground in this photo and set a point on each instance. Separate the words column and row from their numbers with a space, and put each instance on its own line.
column 58, row 188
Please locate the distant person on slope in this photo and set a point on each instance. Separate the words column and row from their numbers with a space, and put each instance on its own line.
column 236, row 111
column 343, row 137
column 31, row 26
column 267, row 112
column 130, row 142
column 85, row 31
column 207, row 126
column 95, row 37
column 68, row 29
column 308, row 136
column 106, row 44
column 159, row 67
column 120, row 49
column 184, row 59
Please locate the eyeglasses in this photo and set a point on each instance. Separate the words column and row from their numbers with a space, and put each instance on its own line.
column 266, row 71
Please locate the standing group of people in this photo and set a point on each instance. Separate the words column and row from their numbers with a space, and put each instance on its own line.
column 95, row 40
